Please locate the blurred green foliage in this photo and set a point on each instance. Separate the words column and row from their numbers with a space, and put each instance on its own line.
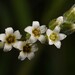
column 48, row 60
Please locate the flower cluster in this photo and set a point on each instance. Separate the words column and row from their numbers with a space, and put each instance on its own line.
column 27, row 48
column 58, row 30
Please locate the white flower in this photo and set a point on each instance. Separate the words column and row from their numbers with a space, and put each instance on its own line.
column 10, row 38
column 54, row 36
column 60, row 20
column 27, row 50
column 36, row 32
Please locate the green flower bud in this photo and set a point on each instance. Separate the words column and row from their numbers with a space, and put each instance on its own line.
column 53, row 24
column 70, row 15
column 56, row 22
column 27, row 36
column 67, row 28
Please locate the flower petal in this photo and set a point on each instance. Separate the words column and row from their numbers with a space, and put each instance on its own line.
column 34, row 48
column 18, row 45
column 50, row 42
column 62, row 36
column 48, row 32
column 57, row 29
column 30, row 55
column 58, row 44
column 33, row 39
column 42, row 39
column 35, row 24
column 22, row 56
column 9, row 30
column 27, row 41
column 2, row 37
column 28, row 29
column 60, row 20
column 17, row 34
column 7, row 47
column 43, row 28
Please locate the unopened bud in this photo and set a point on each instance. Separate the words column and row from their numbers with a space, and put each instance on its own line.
column 56, row 22
column 70, row 15
column 59, row 20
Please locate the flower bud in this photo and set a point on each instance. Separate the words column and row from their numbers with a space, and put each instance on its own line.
column 67, row 28
column 70, row 15
column 56, row 22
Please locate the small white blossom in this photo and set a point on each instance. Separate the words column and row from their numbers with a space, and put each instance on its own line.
column 27, row 50
column 60, row 20
column 54, row 36
column 10, row 38
column 36, row 32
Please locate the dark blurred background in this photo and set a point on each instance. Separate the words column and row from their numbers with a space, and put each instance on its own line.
column 48, row 60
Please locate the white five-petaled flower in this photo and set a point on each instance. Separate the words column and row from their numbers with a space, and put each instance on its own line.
column 54, row 36
column 36, row 32
column 10, row 38
column 27, row 49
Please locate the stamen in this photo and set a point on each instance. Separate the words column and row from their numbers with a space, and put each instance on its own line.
column 10, row 39
column 36, row 32
column 27, row 48
column 53, row 37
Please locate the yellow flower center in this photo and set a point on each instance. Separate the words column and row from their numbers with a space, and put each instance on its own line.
column 27, row 48
column 36, row 32
column 53, row 36
column 10, row 39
